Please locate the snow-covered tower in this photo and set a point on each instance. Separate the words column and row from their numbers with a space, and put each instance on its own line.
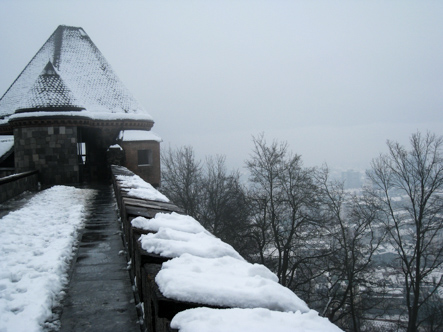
column 67, row 107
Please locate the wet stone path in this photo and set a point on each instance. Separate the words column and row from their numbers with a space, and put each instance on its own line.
column 99, row 296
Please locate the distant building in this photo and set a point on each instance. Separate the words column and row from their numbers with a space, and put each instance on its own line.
column 67, row 108
column 352, row 179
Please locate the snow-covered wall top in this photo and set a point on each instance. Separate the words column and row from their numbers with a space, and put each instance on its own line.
column 138, row 188
column 172, row 220
column 83, row 69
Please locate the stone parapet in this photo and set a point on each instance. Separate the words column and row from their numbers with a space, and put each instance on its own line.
column 13, row 185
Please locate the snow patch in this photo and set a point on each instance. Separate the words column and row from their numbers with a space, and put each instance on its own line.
column 172, row 243
column 257, row 320
column 139, row 188
column 36, row 247
column 226, row 282
column 115, row 146
column 173, row 220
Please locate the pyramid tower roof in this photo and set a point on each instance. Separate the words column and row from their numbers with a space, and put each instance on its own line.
column 82, row 76
column 49, row 93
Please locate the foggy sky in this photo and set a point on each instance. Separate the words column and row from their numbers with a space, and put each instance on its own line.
column 335, row 79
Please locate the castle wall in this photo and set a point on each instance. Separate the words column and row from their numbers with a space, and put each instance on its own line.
column 50, row 150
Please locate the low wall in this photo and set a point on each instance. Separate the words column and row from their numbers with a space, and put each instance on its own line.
column 156, row 309
column 6, row 171
column 13, row 185
column 143, row 266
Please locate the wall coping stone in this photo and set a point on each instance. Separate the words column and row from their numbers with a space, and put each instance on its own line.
column 14, row 177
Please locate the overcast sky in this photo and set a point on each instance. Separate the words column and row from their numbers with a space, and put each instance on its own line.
column 335, row 79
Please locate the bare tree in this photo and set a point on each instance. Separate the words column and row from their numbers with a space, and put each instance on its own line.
column 182, row 179
column 353, row 236
column 224, row 206
column 210, row 194
column 408, row 186
column 283, row 195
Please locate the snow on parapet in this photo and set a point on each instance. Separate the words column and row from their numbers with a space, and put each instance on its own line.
column 257, row 320
column 208, row 271
column 139, row 188
column 225, row 282
column 174, row 221
column 138, row 135
column 84, row 70
column 172, row 243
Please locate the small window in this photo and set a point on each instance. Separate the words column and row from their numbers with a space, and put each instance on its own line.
column 81, row 152
column 144, row 157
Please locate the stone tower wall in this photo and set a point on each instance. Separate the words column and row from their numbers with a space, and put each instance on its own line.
column 50, row 150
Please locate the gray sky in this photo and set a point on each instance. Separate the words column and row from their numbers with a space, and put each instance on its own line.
column 335, row 79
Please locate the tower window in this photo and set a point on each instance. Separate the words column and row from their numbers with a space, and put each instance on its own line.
column 81, row 152
column 144, row 157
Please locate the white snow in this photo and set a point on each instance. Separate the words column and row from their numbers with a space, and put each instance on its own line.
column 138, row 135
column 6, row 143
column 90, row 113
column 172, row 243
column 36, row 246
column 115, row 146
column 173, row 220
column 225, row 281
column 257, row 320
column 140, row 188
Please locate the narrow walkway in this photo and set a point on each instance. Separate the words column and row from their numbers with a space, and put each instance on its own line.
column 99, row 297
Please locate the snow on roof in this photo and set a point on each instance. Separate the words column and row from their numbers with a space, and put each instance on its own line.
column 83, row 69
column 6, row 144
column 94, row 115
column 49, row 91
column 225, row 281
column 138, row 135
column 174, row 221
column 257, row 320
column 139, row 188
column 172, row 243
